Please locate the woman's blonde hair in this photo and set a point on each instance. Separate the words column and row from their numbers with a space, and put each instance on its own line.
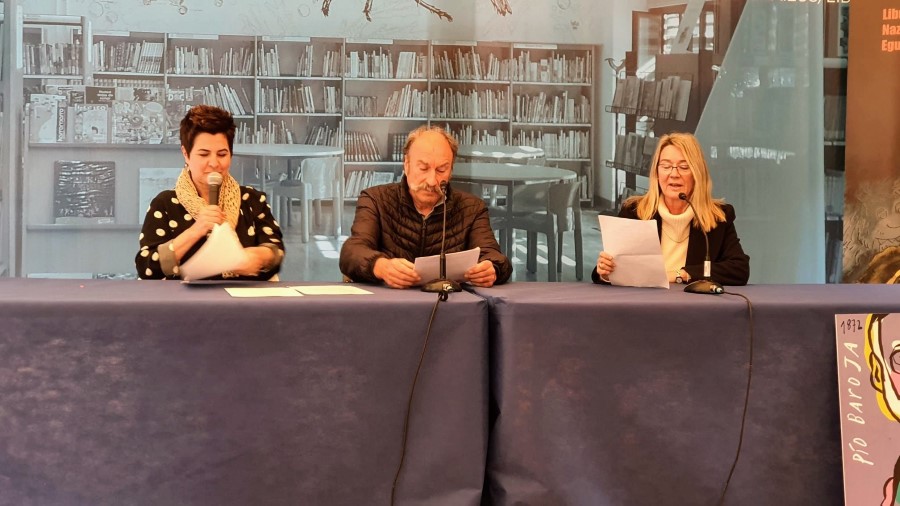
column 707, row 210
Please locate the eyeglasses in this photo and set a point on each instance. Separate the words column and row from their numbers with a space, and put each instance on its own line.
column 667, row 168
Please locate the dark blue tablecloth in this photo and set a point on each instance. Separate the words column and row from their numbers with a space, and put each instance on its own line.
column 156, row 393
column 619, row 396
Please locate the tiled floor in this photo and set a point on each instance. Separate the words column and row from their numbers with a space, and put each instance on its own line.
column 317, row 260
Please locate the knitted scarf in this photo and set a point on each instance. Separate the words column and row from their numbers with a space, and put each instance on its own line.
column 229, row 196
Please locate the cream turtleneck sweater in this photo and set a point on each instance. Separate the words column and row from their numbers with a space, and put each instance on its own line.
column 676, row 229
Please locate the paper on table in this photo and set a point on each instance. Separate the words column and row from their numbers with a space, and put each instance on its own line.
column 634, row 244
column 458, row 263
column 274, row 291
column 342, row 289
column 221, row 252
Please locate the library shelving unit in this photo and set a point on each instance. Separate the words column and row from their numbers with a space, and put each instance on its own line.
column 118, row 110
column 552, row 105
column 385, row 96
column 470, row 90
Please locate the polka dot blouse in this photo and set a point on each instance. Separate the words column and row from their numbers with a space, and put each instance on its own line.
column 167, row 218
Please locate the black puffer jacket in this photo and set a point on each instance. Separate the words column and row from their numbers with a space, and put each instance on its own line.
column 387, row 225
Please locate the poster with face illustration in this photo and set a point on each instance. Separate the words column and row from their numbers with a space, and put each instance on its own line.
column 871, row 220
column 868, row 361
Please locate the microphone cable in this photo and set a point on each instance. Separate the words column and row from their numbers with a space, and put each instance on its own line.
column 441, row 297
column 737, row 454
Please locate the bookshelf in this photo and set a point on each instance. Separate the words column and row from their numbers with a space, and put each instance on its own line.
column 363, row 95
column 538, row 95
column 659, row 90
column 386, row 95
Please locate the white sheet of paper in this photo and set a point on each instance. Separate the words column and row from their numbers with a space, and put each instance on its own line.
column 221, row 252
column 274, row 291
column 458, row 263
column 634, row 244
column 343, row 289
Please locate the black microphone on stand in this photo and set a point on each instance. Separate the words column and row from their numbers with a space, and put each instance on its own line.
column 442, row 285
column 705, row 285
column 214, row 182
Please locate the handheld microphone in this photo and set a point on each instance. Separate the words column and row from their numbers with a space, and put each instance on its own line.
column 705, row 285
column 214, row 182
column 442, row 285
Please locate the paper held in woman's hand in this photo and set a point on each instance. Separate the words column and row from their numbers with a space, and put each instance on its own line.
column 221, row 252
column 634, row 245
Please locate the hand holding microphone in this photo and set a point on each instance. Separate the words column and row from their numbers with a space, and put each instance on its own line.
column 212, row 214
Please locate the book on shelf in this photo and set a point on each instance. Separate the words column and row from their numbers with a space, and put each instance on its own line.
column 305, row 61
column 632, row 94
column 267, row 58
column 84, row 192
column 360, row 147
column 99, row 94
column 648, row 104
column 381, row 177
column 137, row 122
column 467, row 134
column 73, row 93
column 358, row 180
column 649, row 150
column 48, row 118
column 618, row 100
column 359, row 106
column 398, row 141
column 324, row 135
column 178, row 103
column 91, row 123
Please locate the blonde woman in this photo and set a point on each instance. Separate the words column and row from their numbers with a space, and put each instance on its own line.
column 678, row 174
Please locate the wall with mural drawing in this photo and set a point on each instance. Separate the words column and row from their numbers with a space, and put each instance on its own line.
column 563, row 21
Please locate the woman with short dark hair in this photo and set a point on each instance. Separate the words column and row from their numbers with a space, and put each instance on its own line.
column 178, row 221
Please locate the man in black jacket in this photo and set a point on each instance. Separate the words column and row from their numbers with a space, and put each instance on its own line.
column 397, row 222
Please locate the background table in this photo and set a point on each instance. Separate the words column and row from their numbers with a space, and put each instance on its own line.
column 624, row 396
column 478, row 152
column 267, row 153
column 153, row 392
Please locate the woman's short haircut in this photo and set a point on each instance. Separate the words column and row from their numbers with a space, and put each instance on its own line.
column 206, row 119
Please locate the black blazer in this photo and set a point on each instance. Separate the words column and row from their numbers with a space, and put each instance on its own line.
column 730, row 265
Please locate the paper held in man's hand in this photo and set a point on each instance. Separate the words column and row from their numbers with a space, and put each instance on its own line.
column 221, row 252
column 634, row 244
column 429, row 268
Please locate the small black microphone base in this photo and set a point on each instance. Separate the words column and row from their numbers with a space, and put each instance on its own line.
column 441, row 286
column 704, row 286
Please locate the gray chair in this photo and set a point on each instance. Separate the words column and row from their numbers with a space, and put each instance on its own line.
column 314, row 181
column 497, row 215
column 550, row 209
